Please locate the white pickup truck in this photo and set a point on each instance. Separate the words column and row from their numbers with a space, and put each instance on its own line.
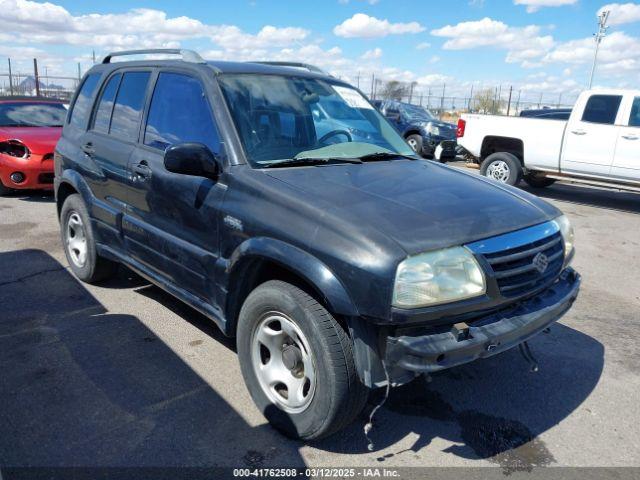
column 598, row 145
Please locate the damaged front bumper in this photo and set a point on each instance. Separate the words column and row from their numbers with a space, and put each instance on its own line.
column 483, row 337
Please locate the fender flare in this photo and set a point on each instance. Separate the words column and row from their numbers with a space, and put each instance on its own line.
column 300, row 262
column 73, row 178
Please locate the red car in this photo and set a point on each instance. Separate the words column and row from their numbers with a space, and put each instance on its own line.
column 29, row 130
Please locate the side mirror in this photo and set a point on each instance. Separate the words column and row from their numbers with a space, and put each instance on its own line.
column 191, row 159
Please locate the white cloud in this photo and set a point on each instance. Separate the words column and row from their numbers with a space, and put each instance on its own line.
column 423, row 46
column 523, row 44
column 433, row 79
column 47, row 23
column 619, row 54
column 372, row 54
column 365, row 26
column 535, row 5
column 434, row 59
column 621, row 13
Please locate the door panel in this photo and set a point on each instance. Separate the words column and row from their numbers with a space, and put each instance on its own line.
column 120, row 102
column 589, row 142
column 172, row 224
column 626, row 164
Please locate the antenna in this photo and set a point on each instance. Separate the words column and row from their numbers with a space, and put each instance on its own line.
column 602, row 32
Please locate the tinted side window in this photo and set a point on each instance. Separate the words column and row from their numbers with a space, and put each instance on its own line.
column 127, row 111
column 602, row 109
column 105, row 106
column 82, row 106
column 180, row 112
column 634, row 118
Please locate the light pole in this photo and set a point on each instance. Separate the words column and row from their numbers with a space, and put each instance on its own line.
column 602, row 32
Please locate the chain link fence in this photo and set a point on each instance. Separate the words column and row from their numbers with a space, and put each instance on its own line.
column 37, row 83
column 447, row 101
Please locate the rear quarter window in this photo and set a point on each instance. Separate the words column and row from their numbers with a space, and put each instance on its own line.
column 102, row 120
column 82, row 107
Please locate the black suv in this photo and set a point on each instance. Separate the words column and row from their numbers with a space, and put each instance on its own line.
column 339, row 263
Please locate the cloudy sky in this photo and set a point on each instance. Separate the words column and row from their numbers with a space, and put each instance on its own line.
column 534, row 45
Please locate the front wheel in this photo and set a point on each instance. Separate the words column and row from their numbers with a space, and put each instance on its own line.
column 502, row 167
column 297, row 362
column 415, row 142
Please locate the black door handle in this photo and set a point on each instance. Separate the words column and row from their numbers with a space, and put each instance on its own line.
column 142, row 170
column 88, row 149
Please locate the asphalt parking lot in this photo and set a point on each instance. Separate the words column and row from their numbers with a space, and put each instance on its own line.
column 124, row 375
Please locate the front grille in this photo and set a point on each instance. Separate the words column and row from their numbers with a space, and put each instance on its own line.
column 515, row 270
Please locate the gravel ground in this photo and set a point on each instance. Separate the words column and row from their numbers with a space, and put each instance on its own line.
column 124, row 375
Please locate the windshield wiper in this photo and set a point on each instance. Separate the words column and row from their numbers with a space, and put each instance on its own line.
column 372, row 157
column 311, row 161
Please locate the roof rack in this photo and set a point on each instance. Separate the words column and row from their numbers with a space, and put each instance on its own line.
column 311, row 68
column 187, row 55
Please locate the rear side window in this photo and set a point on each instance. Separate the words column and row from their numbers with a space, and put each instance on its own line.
column 82, row 106
column 125, row 121
column 105, row 106
column 634, row 118
column 602, row 109
column 179, row 112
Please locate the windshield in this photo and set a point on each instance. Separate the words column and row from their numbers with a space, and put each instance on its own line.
column 31, row 114
column 281, row 118
column 415, row 111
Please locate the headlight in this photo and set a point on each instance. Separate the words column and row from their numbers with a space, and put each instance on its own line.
column 431, row 128
column 566, row 230
column 437, row 277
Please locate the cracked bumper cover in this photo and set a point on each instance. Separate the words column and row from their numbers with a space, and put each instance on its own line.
column 487, row 336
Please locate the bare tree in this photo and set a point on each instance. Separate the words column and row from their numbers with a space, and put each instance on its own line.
column 394, row 90
column 486, row 101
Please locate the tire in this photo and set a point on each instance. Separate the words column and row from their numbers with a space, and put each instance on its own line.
column 415, row 142
column 502, row 167
column 79, row 244
column 324, row 364
column 538, row 181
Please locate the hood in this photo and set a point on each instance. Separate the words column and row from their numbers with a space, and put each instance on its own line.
column 40, row 140
column 421, row 205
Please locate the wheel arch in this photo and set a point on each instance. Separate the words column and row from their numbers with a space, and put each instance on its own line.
column 412, row 131
column 260, row 259
column 70, row 183
column 495, row 144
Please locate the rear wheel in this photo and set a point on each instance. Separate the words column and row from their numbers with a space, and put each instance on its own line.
column 502, row 167
column 297, row 362
column 537, row 180
column 79, row 243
